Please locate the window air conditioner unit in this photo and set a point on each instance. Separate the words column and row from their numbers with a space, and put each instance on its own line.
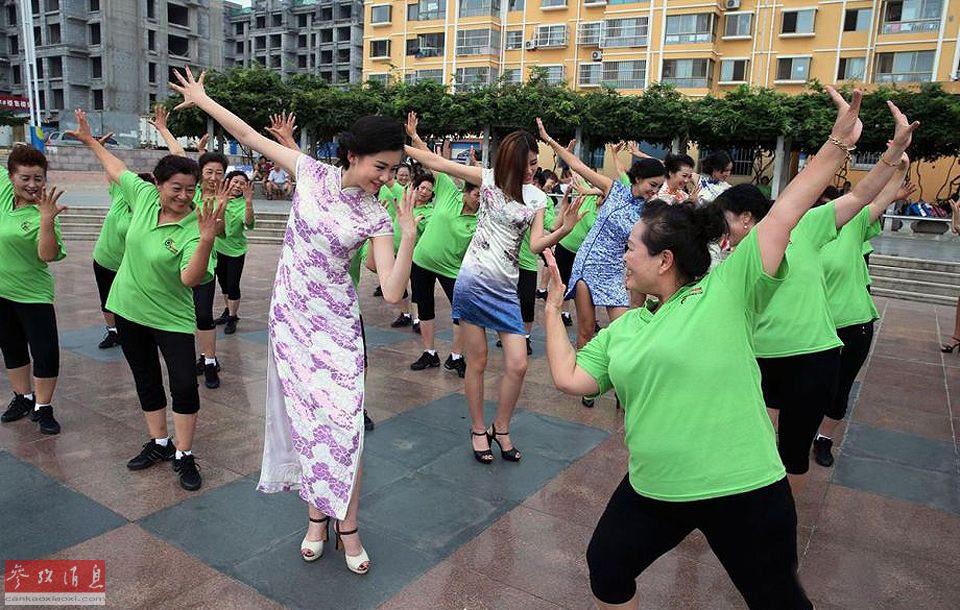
column 530, row 45
column 732, row 5
column 596, row 55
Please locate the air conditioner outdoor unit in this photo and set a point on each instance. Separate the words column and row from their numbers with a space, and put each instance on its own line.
column 732, row 5
column 530, row 45
column 596, row 55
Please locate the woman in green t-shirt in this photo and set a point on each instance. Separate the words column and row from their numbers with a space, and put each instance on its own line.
column 29, row 239
column 795, row 340
column 702, row 449
column 167, row 253
column 231, row 247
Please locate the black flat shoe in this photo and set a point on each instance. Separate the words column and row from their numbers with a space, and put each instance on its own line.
column 947, row 348
column 485, row 456
column 512, row 455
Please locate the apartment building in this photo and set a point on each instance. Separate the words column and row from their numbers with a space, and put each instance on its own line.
column 698, row 46
column 323, row 37
column 112, row 58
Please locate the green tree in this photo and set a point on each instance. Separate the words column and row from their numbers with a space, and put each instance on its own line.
column 8, row 118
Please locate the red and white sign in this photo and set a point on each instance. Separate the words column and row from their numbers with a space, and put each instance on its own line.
column 54, row 582
column 16, row 103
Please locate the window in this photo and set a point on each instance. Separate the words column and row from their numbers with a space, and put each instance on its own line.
column 688, row 73
column 514, row 39
column 475, row 77
column 380, row 14
column 260, row 42
column 852, row 68
column 276, row 41
column 39, row 68
column 857, row 20
column 275, row 61
column 276, row 20
column 905, row 67
column 326, row 35
column 178, row 45
column 379, row 48
column 152, row 72
column 422, row 76
column 35, row 6
column 58, row 99
column 553, row 74
column 512, row 76
column 93, row 5
column 380, row 77
column 326, row 57
column 98, row 99
column 303, row 21
column 552, row 35
column 53, row 6
column 16, row 74
column 94, row 29
column 590, row 75
column 685, row 29
column 178, row 15
column 427, row 10
column 326, row 13
column 346, row 11
column 912, row 16
column 343, row 55
column 12, row 15
column 261, row 22
column 736, row 25
column 239, row 48
column 515, row 5
column 238, row 29
column 625, row 74
column 733, row 70
column 56, row 67
column 625, row 33
column 426, row 45
column 152, row 10
column 53, row 33
column 553, row 3
column 478, row 42
column 96, row 67
column 14, row 45
column 589, row 33
column 865, row 161
column 793, row 69
column 301, row 61
column 302, row 41
column 473, row 8
column 798, row 22
column 151, row 40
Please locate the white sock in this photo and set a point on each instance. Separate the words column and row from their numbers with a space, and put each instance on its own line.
column 180, row 454
column 162, row 441
column 822, row 436
column 416, row 320
column 455, row 356
column 111, row 329
column 28, row 396
column 37, row 406
column 526, row 336
column 405, row 315
column 209, row 360
column 432, row 352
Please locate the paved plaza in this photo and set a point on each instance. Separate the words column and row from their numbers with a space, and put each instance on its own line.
column 879, row 530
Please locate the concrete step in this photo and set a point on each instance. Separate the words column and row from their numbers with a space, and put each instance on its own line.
column 914, row 296
column 913, row 263
column 916, row 287
column 921, row 275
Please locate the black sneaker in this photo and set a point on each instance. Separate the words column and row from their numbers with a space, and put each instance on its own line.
column 202, row 365
column 19, row 407
column 223, row 317
column 151, row 454
column 378, row 292
column 450, row 364
column 189, row 472
column 529, row 347
column 461, row 367
column 587, row 402
column 402, row 320
column 426, row 360
column 368, row 424
column 822, row 451
column 199, row 366
column 109, row 340
column 48, row 425
column 231, row 325
column 541, row 294
column 416, row 327
column 567, row 319
column 210, row 377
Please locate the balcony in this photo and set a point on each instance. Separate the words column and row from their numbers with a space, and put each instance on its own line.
column 919, row 25
column 904, row 77
column 467, row 50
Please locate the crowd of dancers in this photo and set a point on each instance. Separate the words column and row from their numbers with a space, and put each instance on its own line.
column 736, row 326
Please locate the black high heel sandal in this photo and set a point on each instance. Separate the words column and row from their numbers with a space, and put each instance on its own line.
column 485, row 456
column 513, row 455
column 948, row 348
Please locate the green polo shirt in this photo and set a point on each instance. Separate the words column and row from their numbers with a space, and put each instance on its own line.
column 695, row 423
column 108, row 251
column 148, row 289
column 24, row 278
column 572, row 241
column 357, row 262
column 233, row 242
column 529, row 260
column 389, row 196
column 845, row 272
column 447, row 236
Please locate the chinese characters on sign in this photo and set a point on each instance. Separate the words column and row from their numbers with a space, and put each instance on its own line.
column 54, row 582
column 15, row 103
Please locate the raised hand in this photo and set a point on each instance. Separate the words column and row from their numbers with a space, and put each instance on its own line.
column 555, row 290
column 411, row 126
column 202, row 143
column 405, row 219
column 903, row 129
column 82, row 132
column 571, row 213
column 904, row 192
column 543, row 132
column 571, row 144
column 222, row 193
column 159, row 119
column 248, row 192
column 190, row 88
column 694, row 191
column 210, row 216
column 848, row 127
column 283, row 126
column 105, row 138
column 48, row 206
column 473, row 157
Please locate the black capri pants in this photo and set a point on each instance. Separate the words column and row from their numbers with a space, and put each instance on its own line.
column 104, row 279
column 140, row 345
column 564, row 259
column 856, row 345
column 527, row 291
column 422, row 282
column 753, row 534
column 203, row 296
column 30, row 329
column 228, row 270
column 802, row 387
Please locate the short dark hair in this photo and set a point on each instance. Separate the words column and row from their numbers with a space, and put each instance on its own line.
column 25, row 155
column 369, row 135
column 147, row 177
column 646, row 168
column 428, row 177
column 674, row 163
column 715, row 161
column 234, row 174
column 830, row 193
column 743, row 198
column 469, row 186
column 686, row 231
column 213, row 157
column 170, row 165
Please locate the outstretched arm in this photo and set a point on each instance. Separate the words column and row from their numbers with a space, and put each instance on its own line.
column 574, row 162
column 194, row 94
column 435, row 162
column 47, row 247
column 159, row 121
column 112, row 166
column 568, row 217
column 895, row 190
column 869, row 188
column 415, row 140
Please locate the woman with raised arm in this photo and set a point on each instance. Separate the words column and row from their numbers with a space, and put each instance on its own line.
column 167, row 253
column 485, row 294
column 314, row 420
column 846, row 277
column 598, row 268
column 29, row 240
column 795, row 339
column 702, row 449
column 231, row 246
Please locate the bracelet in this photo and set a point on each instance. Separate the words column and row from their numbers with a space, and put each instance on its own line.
column 887, row 163
column 836, row 142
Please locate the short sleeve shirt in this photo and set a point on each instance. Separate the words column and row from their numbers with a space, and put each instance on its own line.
column 845, row 272
column 233, row 242
column 108, row 251
column 444, row 242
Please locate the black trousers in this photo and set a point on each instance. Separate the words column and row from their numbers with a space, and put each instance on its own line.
column 422, row 282
column 564, row 262
column 104, row 279
column 527, row 291
column 229, row 270
column 141, row 345
column 203, row 296
column 30, row 329
column 753, row 534
column 856, row 346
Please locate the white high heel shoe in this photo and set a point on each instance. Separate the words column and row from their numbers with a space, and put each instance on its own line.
column 358, row 564
column 312, row 550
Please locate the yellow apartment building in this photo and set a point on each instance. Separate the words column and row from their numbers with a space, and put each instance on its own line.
column 699, row 46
